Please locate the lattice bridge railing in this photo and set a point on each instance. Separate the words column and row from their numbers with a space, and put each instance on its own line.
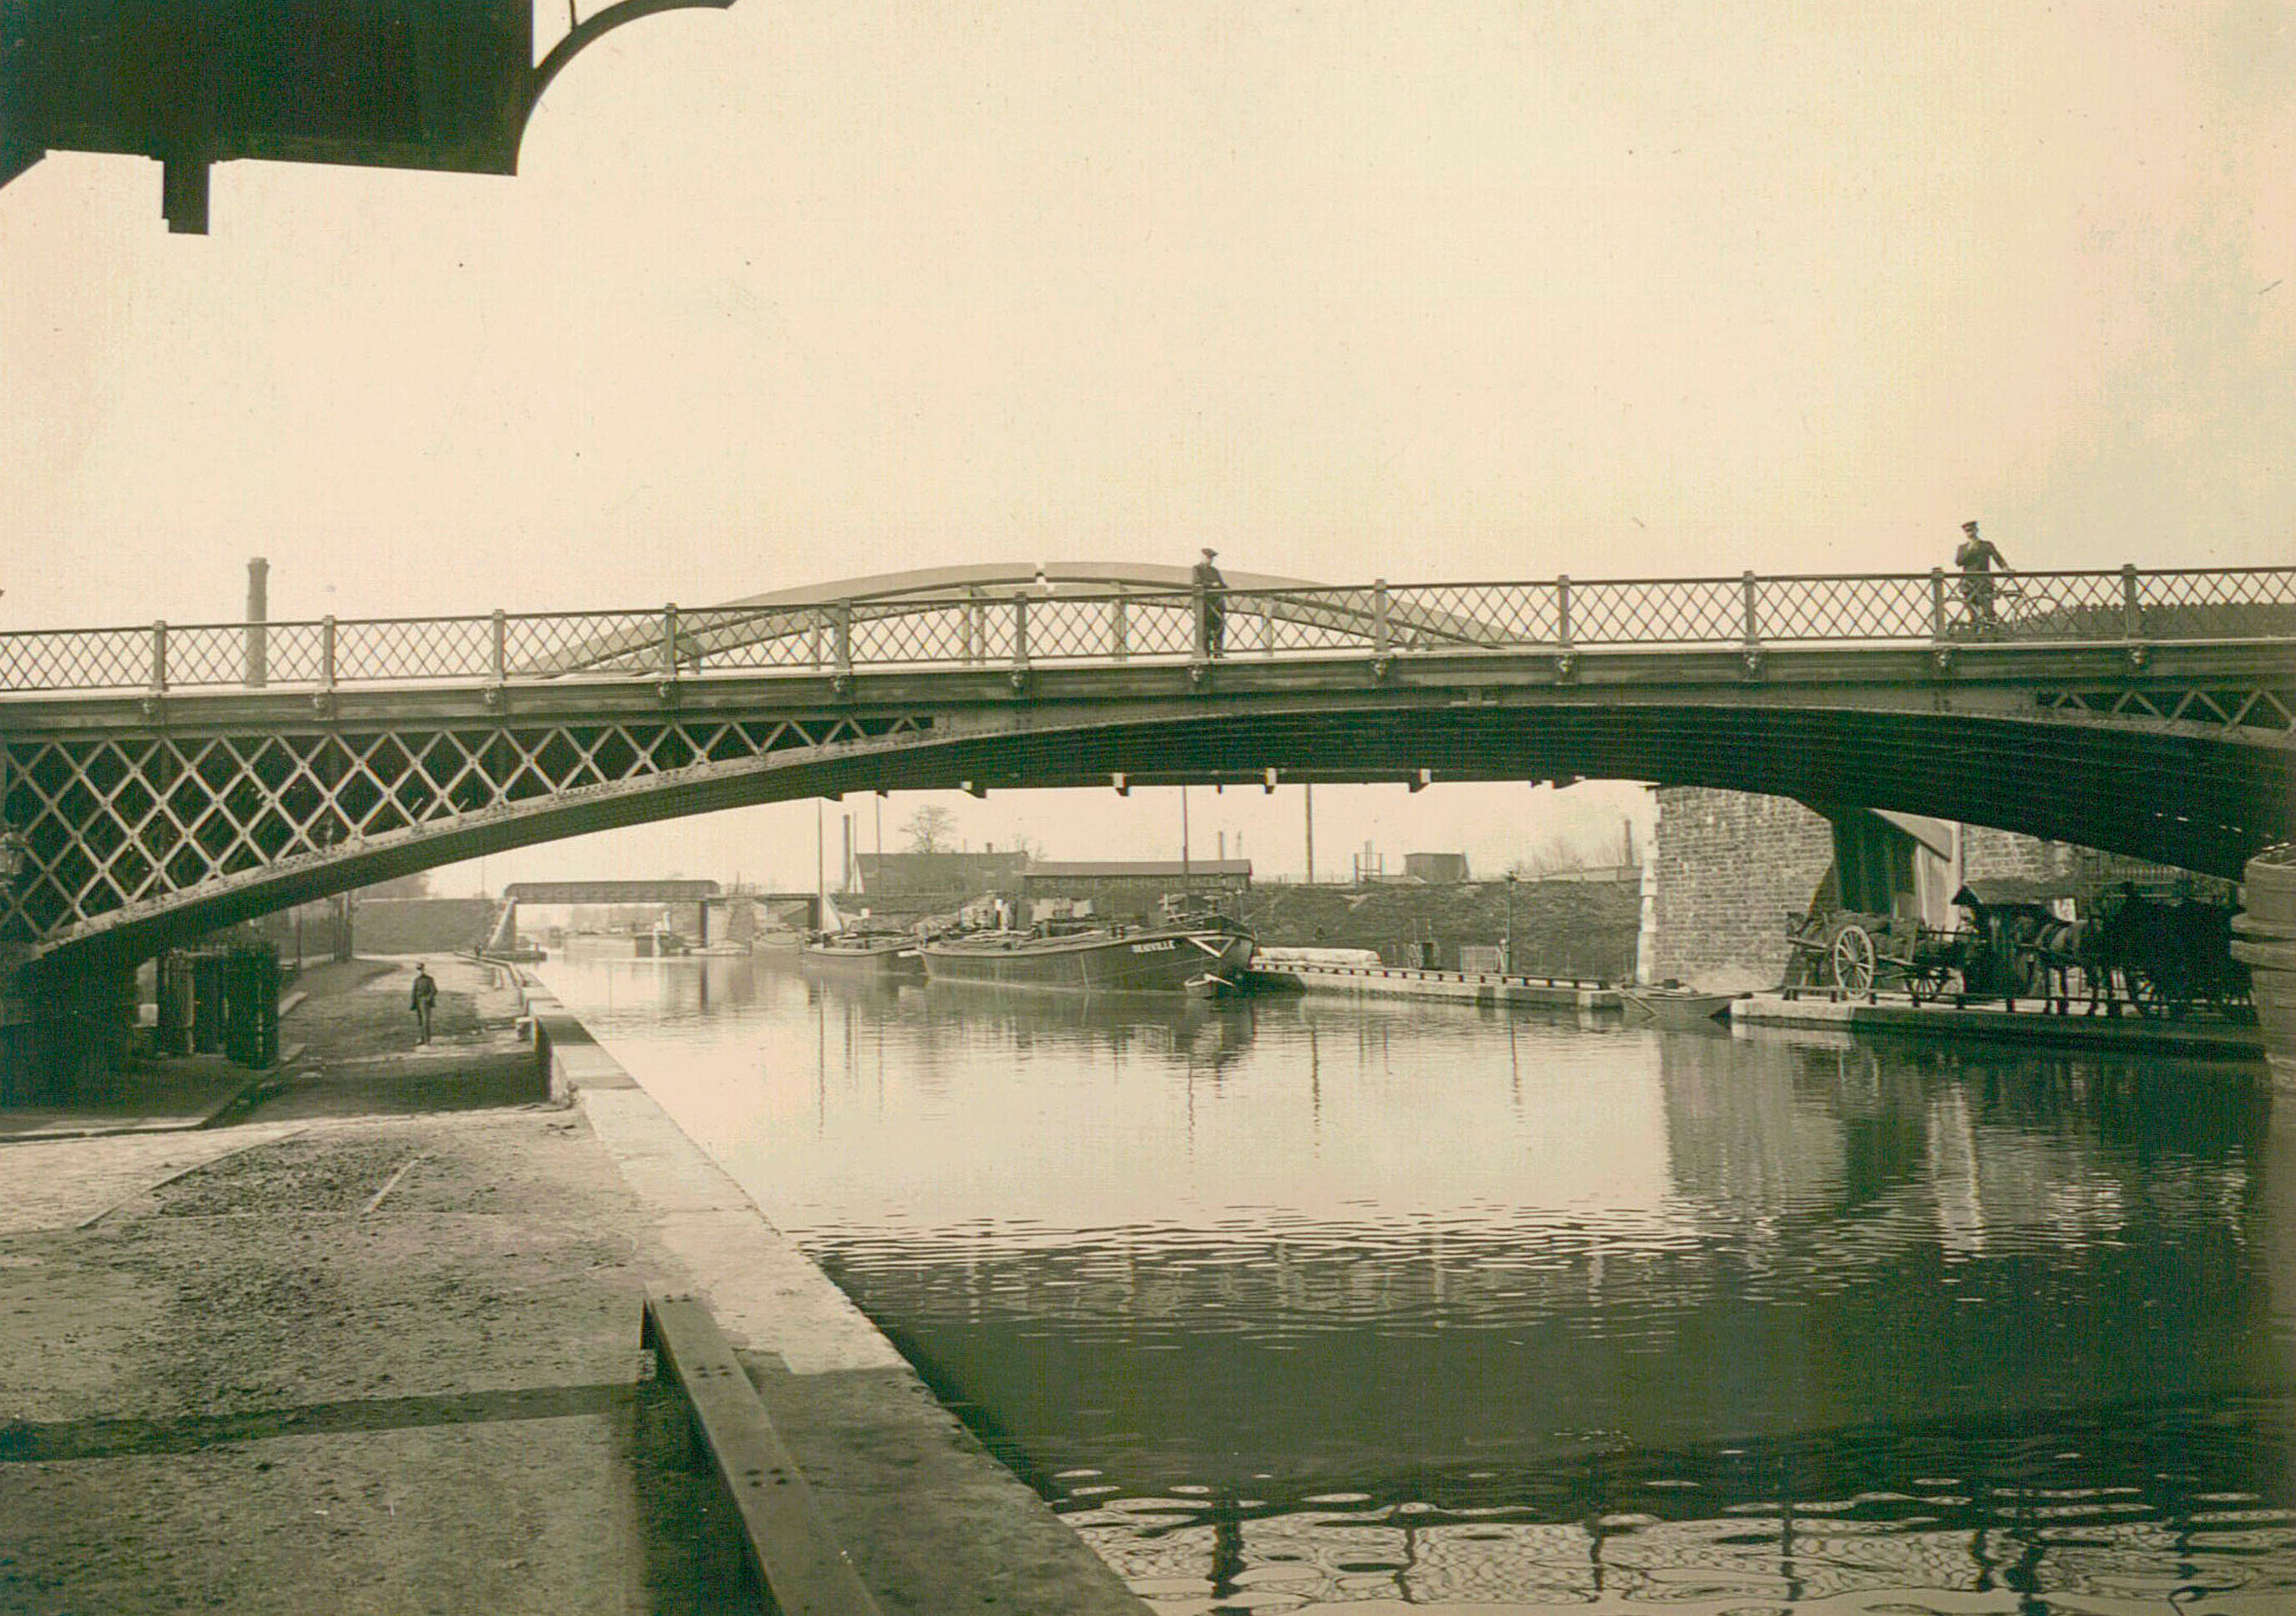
column 1017, row 628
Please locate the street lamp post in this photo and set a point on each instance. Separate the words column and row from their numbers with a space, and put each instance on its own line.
column 1509, row 969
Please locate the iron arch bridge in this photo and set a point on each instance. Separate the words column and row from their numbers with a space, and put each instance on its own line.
column 160, row 780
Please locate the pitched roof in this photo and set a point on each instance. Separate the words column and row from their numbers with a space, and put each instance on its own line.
column 1117, row 869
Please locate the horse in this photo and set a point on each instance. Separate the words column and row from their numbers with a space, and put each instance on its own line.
column 2168, row 956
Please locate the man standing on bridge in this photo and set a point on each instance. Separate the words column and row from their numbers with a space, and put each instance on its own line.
column 425, row 999
column 1977, row 558
column 1212, row 607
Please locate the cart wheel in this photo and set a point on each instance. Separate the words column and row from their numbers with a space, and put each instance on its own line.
column 2146, row 992
column 1853, row 960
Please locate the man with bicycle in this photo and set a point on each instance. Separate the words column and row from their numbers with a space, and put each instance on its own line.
column 1977, row 558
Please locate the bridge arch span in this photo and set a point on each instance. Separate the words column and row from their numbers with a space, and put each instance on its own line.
column 2163, row 790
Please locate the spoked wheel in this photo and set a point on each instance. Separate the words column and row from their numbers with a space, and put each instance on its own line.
column 1852, row 956
column 1926, row 982
column 2151, row 994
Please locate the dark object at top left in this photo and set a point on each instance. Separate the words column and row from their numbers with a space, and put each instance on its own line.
column 445, row 84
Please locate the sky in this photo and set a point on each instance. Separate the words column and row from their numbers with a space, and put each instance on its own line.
column 1474, row 291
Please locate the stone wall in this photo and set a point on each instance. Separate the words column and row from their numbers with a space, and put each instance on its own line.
column 1990, row 854
column 1730, row 866
column 1560, row 928
column 425, row 925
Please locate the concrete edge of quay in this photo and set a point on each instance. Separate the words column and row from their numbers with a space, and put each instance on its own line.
column 930, row 1520
column 2242, row 1045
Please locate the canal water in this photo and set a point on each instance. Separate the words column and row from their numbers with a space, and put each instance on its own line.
column 1315, row 1305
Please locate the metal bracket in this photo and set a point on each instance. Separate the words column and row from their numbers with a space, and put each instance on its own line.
column 1199, row 676
column 1380, row 666
column 323, row 702
column 494, row 696
column 1018, row 678
column 666, row 692
column 152, row 707
column 1752, row 658
column 841, row 683
column 1943, row 657
column 1565, row 662
column 580, row 37
column 2140, row 656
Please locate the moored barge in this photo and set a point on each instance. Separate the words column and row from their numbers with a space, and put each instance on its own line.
column 1157, row 959
column 865, row 952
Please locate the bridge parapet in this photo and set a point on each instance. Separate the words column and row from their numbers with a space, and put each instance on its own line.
column 156, row 780
column 1023, row 626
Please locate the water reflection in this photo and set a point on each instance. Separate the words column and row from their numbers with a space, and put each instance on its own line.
column 1305, row 1302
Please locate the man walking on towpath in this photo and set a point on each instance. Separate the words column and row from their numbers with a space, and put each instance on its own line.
column 425, row 998
column 1212, row 607
column 1977, row 558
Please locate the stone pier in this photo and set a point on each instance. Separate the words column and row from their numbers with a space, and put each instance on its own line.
column 2265, row 933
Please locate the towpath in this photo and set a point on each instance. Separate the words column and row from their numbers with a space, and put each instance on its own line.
column 371, row 1346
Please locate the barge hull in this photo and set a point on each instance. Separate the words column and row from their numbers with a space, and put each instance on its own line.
column 1151, row 961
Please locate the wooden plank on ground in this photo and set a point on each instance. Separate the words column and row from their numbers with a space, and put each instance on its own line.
column 797, row 1558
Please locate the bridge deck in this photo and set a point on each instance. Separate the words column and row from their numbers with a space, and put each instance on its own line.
column 157, row 780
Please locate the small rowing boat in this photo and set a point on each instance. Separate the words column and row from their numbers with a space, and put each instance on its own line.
column 1672, row 1005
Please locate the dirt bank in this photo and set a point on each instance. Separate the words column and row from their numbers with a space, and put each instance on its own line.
column 353, row 1363
column 359, row 1057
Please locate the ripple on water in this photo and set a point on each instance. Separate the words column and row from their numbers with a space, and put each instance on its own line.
column 1328, row 1303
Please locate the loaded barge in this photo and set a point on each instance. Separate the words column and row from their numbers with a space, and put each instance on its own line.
column 1175, row 958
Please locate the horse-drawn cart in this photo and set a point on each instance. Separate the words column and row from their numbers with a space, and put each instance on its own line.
column 2165, row 957
column 1848, row 954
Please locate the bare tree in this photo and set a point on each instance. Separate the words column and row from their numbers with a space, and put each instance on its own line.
column 1580, row 848
column 929, row 829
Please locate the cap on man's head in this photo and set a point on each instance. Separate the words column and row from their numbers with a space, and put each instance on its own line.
column 1969, row 528
column 1209, row 551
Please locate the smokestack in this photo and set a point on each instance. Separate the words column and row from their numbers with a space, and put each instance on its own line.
column 258, row 638
column 1307, row 800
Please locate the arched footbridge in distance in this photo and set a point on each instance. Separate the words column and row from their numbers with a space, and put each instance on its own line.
column 161, row 780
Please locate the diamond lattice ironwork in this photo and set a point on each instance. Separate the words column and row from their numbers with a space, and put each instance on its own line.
column 2246, row 709
column 108, row 824
column 982, row 626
